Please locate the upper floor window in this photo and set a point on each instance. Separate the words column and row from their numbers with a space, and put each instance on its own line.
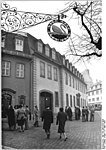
column 40, row 47
column 89, row 100
column 42, row 69
column 93, row 99
column 53, row 54
column 67, row 101
column 97, row 92
column 71, row 100
column 20, row 70
column 66, row 78
column 47, row 51
column 70, row 81
column 3, row 41
column 5, row 68
column 55, row 74
column 97, row 98
column 63, row 60
column 49, row 71
column 92, row 92
column 19, row 45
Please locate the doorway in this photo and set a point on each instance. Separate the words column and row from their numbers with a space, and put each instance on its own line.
column 46, row 100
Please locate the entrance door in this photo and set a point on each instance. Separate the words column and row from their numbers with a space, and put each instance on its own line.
column 46, row 100
column 6, row 101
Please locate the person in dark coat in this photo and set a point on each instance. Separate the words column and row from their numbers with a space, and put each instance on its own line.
column 83, row 114
column 11, row 117
column 69, row 112
column 79, row 113
column 61, row 120
column 47, row 118
column 86, row 113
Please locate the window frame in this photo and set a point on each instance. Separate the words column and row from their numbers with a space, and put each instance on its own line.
column 20, row 71
column 55, row 70
column 9, row 69
column 40, row 47
column 42, row 69
column 19, row 47
column 49, row 71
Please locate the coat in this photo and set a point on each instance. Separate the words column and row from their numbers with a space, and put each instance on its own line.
column 47, row 118
column 61, row 119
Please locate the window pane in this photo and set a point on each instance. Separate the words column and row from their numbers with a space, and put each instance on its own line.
column 6, row 68
column 20, row 70
column 19, row 45
column 42, row 69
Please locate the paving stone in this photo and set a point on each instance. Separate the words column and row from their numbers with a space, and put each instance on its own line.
column 81, row 135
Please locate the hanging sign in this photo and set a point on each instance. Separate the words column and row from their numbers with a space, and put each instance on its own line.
column 59, row 30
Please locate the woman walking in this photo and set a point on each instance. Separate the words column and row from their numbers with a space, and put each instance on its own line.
column 21, row 118
column 61, row 120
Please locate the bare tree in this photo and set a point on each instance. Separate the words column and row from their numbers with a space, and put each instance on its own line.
column 89, row 44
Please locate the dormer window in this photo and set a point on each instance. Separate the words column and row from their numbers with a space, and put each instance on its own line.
column 3, row 41
column 47, row 51
column 53, row 54
column 40, row 47
column 19, row 44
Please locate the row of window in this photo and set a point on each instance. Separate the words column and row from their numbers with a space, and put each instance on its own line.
column 93, row 99
column 71, row 81
column 49, row 71
column 70, row 102
column 96, row 86
column 95, row 92
column 19, row 45
column 73, row 101
column 6, row 67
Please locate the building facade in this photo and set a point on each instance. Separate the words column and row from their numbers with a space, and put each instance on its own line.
column 33, row 73
column 95, row 95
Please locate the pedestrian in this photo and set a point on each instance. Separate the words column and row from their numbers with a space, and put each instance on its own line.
column 69, row 112
column 47, row 118
column 21, row 116
column 36, row 116
column 92, row 114
column 79, row 113
column 15, row 110
column 61, row 120
column 11, row 117
column 26, row 118
column 86, row 113
column 83, row 114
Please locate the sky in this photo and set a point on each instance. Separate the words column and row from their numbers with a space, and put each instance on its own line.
column 40, row 31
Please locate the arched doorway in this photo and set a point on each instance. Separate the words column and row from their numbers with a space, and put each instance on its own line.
column 46, row 100
column 6, row 100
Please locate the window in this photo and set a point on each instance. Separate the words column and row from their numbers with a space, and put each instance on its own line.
column 92, row 92
column 66, row 78
column 56, row 99
column 40, row 47
column 89, row 100
column 19, row 45
column 47, row 51
column 73, row 83
column 20, row 70
column 93, row 99
column 63, row 61
column 42, row 69
column 53, row 54
column 71, row 100
column 97, row 92
column 97, row 98
column 55, row 74
column 3, row 41
column 74, row 100
column 70, row 81
column 67, row 102
column 5, row 68
column 49, row 71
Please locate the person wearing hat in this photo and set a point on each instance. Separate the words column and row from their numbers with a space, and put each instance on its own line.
column 47, row 118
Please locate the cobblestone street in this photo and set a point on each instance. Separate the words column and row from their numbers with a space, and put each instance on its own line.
column 81, row 135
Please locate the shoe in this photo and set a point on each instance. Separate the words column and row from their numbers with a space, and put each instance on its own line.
column 65, row 139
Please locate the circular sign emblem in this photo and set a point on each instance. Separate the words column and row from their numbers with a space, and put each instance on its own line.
column 59, row 30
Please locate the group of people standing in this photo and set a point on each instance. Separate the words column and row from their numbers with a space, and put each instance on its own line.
column 18, row 116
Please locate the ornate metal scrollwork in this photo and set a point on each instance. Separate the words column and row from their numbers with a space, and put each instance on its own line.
column 13, row 20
